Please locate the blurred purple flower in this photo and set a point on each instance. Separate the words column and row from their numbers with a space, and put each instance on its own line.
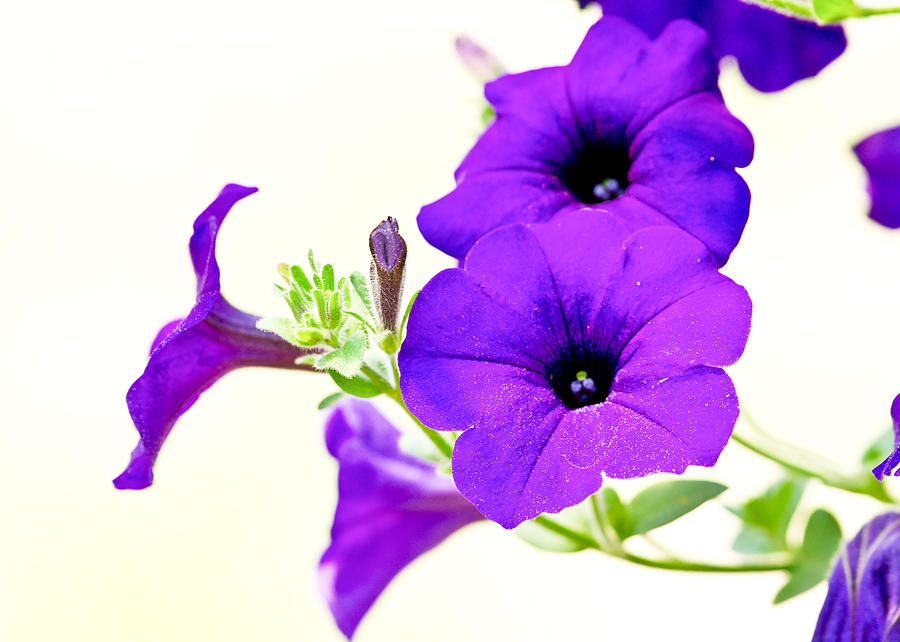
column 391, row 509
column 631, row 126
column 863, row 600
column 478, row 60
column 880, row 155
column 191, row 354
column 570, row 349
column 772, row 50
column 893, row 460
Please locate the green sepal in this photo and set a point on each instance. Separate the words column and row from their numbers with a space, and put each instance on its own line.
column 347, row 359
column 284, row 328
column 388, row 342
column 317, row 281
column 359, row 283
column 835, row 10
column 321, row 306
column 328, row 276
column 357, row 386
column 766, row 518
column 334, row 310
column 665, row 502
column 299, row 277
column 821, row 541
column 312, row 262
column 575, row 518
column 330, row 400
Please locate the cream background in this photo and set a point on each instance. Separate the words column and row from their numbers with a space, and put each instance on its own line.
column 120, row 121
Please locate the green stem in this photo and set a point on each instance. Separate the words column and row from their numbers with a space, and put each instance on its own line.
column 671, row 563
column 860, row 486
column 863, row 12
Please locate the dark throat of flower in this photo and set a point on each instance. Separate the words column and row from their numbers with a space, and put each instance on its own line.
column 597, row 173
column 581, row 377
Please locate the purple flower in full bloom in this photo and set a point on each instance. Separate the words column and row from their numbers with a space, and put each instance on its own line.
column 863, row 600
column 892, row 461
column 190, row 354
column 773, row 50
column 630, row 126
column 880, row 155
column 392, row 507
column 571, row 349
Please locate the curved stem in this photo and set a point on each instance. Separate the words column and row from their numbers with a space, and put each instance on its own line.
column 670, row 563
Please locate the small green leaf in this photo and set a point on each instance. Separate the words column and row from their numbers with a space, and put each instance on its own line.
column 328, row 276
column 299, row 277
column 821, row 541
column 321, row 306
column 312, row 262
column 667, row 501
column 334, row 310
column 346, row 360
column 767, row 517
column 330, row 400
column 360, row 285
column 615, row 512
column 574, row 518
column 879, row 449
column 835, row 10
column 317, row 281
column 284, row 328
column 358, row 386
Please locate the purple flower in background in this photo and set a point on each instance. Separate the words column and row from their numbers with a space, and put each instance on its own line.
column 863, row 600
column 893, row 460
column 568, row 350
column 772, row 50
column 191, row 354
column 880, row 155
column 391, row 508
column 631, row 126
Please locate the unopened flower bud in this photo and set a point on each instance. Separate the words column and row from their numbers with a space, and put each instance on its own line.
column 387, row 272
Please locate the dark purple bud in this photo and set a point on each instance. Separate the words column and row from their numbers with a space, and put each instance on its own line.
column 387, row 271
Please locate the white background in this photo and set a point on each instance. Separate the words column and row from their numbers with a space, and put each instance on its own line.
column 120, row 121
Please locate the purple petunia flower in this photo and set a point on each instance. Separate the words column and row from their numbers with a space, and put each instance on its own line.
column 191, row 354
column 892, row 461
column 391, row 508
column 570, row 349
column 863, row 600
column 631, row 126
column 772, row 50
column 880, row 155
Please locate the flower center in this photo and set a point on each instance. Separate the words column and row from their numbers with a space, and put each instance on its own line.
column 598, row 173
column 581, row 379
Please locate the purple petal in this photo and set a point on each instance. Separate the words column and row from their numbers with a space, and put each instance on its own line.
column 190, row 355
column 492, row 348
column 772, row 50
column 391, row 509
column 888, row 466
column 863, row 600
column 880, row 156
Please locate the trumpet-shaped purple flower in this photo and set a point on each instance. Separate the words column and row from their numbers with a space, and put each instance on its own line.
column 863, row 600
column 773, row 50
column 892, row 461
column 569, row 350
column 191, row 354
column 880, row 155
column 631, row 126
column 391, row 508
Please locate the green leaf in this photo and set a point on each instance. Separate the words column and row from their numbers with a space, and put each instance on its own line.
column 879, row 449
column 614, row 512
column 359, row 283
column 821, row 541
column 328, row 276
column 574, row 518
column 284, row 328
column 330, row 400
column 667, row 501
column 299, row 277
column 358, row 386
column 319, row 296
column 767, row 517
column 346, row 360
column 312, row 262
column 835, row 10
